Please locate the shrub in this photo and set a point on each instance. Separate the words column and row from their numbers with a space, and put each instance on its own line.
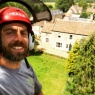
column 81, row 73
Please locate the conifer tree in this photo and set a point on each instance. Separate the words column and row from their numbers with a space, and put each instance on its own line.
column 82, row 81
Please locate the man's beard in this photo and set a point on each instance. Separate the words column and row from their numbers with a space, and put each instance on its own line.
column 8, row 53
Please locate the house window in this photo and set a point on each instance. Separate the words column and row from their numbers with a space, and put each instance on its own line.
column 58, row 44
column 66, row 45
column 71, row 36
column 47, row 39
column 46, row 33
column 59, row 36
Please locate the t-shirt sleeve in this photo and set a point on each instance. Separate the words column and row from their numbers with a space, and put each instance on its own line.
column 38, row 86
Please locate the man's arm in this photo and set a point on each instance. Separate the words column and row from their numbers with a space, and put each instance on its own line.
column 37, row 84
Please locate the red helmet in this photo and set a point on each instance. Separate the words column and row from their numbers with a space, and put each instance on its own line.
column 13, row 14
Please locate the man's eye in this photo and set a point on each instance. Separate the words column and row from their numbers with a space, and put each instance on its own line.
column 24, row 33
column 9, row 32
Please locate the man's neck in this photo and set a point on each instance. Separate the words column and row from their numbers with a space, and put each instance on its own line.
column 9, row 64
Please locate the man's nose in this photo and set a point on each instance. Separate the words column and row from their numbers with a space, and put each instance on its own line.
column 18, row 36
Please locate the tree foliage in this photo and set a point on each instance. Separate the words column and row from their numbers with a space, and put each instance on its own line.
column 81, row 73
column 83, row 4
column 64, row 5
column 84, row 15
column 88, row 1
column 18, row 5
column 71, row 61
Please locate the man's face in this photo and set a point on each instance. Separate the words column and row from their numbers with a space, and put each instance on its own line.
column 14, row 38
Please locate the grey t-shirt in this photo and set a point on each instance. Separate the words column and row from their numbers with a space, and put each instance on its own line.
column 22, row 81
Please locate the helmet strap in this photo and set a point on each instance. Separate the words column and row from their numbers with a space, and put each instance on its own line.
column 27, row 63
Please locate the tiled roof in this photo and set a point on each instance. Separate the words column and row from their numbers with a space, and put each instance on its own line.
column 41, row 23
column 75, row 27
column 91, row 10
column 47, row 27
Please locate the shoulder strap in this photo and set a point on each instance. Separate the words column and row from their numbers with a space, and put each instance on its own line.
column 27, row 63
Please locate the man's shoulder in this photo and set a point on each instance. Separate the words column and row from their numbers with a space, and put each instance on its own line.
column 2, row 71
column 2, row 75
column 24, row 65
column 25, row 69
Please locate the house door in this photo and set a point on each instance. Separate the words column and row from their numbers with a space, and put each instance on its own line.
column 70, row 47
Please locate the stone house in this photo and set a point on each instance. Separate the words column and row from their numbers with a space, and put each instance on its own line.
column 62, row 34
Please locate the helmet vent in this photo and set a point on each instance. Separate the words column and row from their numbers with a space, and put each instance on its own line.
column 18, row 10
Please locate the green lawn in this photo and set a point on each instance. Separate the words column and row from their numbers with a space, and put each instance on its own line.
column 51, row 73
column 51, row 3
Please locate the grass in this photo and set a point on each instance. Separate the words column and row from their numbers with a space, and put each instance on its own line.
column 50, row 72
column 50, row 3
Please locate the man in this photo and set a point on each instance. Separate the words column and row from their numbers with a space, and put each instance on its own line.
column 15, row 77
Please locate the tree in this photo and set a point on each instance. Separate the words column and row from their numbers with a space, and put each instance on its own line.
column 71, row 60
column 64, row 5
column 82, row 79
column 84, row 15
column 14, row 4
column 83, row 4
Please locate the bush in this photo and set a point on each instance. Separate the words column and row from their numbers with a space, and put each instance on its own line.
column 81, row 73
column 84, row 15
column 50, row 6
